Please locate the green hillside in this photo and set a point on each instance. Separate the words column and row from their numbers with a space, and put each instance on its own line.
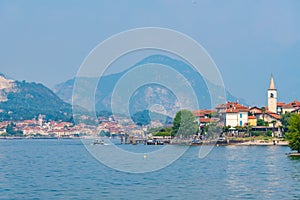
column 28, row 100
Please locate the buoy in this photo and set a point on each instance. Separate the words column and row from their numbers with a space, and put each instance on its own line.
column 145, row 156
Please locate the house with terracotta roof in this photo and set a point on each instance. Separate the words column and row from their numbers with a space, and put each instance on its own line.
column 290, row 107
column 270, row 117
column 203, row 113
column 255, row 110
column 297, row 110
column 266, row 115
column 252, row 121
column 233, row 114
column 204, row 117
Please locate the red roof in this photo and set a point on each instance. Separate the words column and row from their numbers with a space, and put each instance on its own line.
column 29, row 121
column 233, row 107
column 293, row 104
column 205, row 120
column 202, row 113
column 251, row 117
column 256, row 110
column 274, row 115
column 208, row 120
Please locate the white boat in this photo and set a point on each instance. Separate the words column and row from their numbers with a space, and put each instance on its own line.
column 96, row 142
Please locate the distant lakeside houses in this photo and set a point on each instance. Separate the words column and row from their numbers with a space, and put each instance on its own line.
column 110, row 126
column 231, row 115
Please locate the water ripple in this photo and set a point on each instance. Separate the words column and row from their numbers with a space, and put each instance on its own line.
column 63, row 169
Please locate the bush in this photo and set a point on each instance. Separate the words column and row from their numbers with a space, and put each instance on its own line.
column 269, row 133
column 257, row 133
column 162, row 134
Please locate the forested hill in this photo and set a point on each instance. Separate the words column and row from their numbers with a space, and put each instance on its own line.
column 24, row 100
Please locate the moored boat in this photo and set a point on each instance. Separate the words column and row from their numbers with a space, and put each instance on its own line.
column 100, row 142
column 294, row 154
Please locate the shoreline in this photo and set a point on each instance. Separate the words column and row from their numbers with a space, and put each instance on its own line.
column 37, row 138
column 233, row 143
column 258, row 143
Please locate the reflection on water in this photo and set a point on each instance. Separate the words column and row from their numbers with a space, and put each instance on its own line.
column 52, row 169
column 238, row 176
column 2, row 178
column 258, row 173
column 294, row 157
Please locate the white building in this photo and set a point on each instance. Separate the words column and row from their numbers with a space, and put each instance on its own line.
column 233, row 114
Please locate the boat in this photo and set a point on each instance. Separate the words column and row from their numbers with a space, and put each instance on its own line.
column 196, row 142
column 96, row 142
column 154, row 142
column 294, row 154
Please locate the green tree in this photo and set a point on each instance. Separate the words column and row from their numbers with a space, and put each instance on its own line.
column 213, row 114
column 185, row 124
column 273, row 129
column 162, row 134
column 248, row 129
column 226, row 129
column 10, row 130
column 263, row 110
column 261, row 122
column 285, row 121
column 294, row 132
column 213, row 131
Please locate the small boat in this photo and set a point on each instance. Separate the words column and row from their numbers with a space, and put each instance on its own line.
column 196, row 143
column 96, row 142
column 154, row 142
column 294, row 154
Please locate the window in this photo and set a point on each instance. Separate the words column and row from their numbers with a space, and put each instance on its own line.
column 272, row 95
column 241, row 115
column 241, row 123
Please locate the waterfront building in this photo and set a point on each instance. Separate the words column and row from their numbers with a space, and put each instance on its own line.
column 205, row 117
column 233, row 114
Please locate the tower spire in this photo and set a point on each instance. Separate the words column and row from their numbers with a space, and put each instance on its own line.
column 272, row 85
column 272, row 96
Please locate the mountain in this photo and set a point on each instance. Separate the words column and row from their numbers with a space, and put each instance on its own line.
column 145, row 117
column 147, row 95
column 24, row 100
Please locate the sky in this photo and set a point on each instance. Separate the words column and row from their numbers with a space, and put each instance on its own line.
column 46, row 41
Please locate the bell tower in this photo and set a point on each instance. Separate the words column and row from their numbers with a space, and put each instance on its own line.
column 272, row 96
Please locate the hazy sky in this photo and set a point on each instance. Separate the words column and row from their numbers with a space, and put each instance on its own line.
column 248, row 40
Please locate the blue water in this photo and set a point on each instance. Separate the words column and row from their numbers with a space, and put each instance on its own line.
column 63, row 169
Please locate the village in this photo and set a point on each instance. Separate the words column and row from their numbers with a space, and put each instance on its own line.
column 236, row 119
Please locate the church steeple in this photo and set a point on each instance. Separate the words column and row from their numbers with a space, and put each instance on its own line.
column 272, row 84
column 272, row 96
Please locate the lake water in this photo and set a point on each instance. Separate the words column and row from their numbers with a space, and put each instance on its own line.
column 63, row 169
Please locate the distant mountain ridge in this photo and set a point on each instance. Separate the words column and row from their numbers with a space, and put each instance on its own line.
column 155, row 94
column 20, row 100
